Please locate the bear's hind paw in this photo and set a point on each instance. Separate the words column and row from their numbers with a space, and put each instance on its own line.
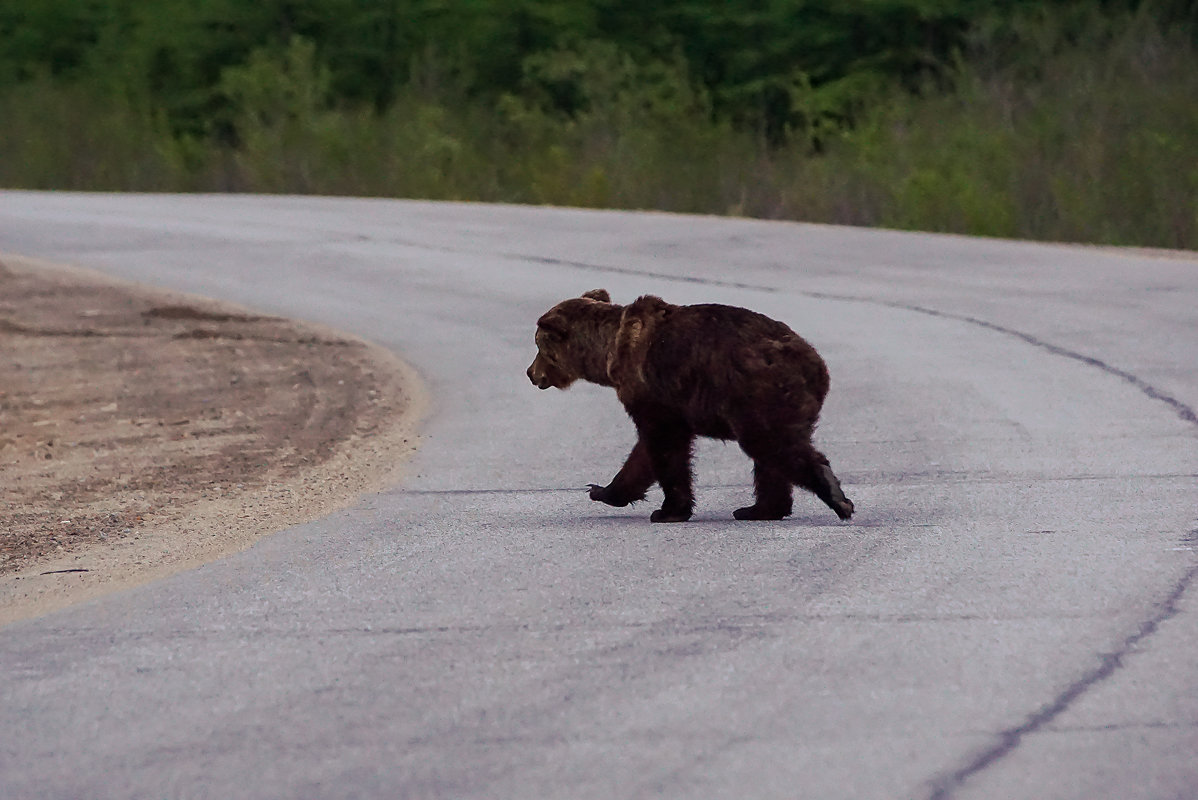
column 757, row 513
column 661, row 515
column 843, row 507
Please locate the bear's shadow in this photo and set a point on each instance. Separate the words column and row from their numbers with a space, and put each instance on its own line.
column 715, row 520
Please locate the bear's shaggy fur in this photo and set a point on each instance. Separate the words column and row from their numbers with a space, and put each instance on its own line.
column 687, row 371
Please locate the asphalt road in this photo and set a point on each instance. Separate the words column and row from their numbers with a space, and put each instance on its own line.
column 1012, row 613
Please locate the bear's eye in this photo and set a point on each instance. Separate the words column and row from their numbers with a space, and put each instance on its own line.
column 553, row 334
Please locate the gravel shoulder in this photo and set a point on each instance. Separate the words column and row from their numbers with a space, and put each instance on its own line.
column 143, row 432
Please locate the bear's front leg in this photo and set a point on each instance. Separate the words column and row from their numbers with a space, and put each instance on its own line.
column 631, row 482
column 669, row 449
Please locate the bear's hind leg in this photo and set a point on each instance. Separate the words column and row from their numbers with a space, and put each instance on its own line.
column 790, row 452
column 812, row 471
column 774, row 500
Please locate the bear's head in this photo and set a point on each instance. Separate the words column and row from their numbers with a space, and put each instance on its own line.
column 573, row 339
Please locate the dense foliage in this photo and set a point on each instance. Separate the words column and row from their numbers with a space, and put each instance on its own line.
column 1010, row 117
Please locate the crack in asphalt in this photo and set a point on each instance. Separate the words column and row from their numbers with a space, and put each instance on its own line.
column 1182, row 410
column 944, row 786
column 640, row 273
column 566, row 262
column 1129, row 726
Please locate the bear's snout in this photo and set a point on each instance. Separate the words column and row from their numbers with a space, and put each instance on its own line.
column 540, row 381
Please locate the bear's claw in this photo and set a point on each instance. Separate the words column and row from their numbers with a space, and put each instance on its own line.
column 604, row 495
column 843, row 508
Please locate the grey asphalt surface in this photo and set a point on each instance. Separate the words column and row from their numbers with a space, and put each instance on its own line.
column 1012, row 613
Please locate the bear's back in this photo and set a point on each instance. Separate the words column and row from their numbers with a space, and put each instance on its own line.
column 714, row 359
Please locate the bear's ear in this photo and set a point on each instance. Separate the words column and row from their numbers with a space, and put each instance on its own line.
column 598, row 294
column 554, row 324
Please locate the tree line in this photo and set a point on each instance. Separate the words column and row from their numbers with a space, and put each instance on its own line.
column 556, row 100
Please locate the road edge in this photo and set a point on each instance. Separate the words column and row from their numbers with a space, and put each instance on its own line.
column 200, row 531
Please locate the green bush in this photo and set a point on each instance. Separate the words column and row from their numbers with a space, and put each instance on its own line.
column 1076, row 124
column 1094, row 140
column 62, row 136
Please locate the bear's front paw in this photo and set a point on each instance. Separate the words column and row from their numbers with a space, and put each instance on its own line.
column 604, row 495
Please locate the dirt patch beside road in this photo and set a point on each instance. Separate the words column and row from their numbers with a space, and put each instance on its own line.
column 143, row 432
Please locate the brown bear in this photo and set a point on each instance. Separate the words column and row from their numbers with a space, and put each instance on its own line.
column 687, row 371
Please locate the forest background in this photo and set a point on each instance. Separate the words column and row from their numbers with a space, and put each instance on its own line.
column 1072, row 120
